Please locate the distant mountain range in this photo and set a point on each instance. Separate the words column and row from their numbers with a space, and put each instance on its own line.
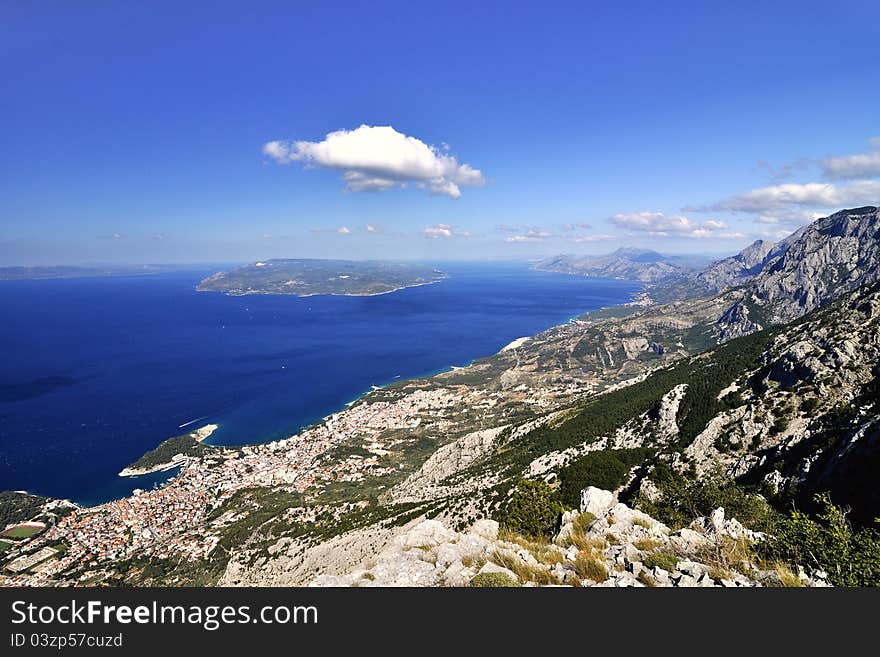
column 626, row 263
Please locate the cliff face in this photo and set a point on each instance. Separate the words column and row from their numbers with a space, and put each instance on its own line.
column 832, row 256
column 741, row 267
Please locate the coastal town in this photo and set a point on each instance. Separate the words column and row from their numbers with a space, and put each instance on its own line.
column 174, row 520
column 184, row 519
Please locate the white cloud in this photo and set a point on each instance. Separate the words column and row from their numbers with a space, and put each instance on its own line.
column 793, row 217
column 862, row 165
column 343, row 230
column 533, row 234
column 580, row 239
column 814, row 194
column 444, row 230
column 377, row 158
column 659, row 224
column 440, row 230
column 373, row 228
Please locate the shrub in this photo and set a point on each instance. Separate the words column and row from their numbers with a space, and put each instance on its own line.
column 646, row 579
column 493, row 580
column 533, row 509
column 664, row 560
column 829, row 543
column 583, row 521
column 682, row 500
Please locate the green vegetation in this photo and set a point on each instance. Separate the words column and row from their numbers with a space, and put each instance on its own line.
column 185, row 444
column 664, row 560
column 827, row 542
column 307, row 277
column 683, row 499
column 606, row 469
column 533, row 509
column 493, row 580
column 18, row 507
column 706, row 380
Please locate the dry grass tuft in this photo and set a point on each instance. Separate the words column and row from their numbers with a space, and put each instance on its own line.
column 588, row 566
column 525, row 571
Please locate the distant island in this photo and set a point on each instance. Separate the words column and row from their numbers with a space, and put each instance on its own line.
column 40, row 272
column 171, row 453
column 306, row 277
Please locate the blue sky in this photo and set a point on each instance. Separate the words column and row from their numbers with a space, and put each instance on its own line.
column 184, row 131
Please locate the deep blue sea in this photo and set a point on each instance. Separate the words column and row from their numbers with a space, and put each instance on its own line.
column 96, row 371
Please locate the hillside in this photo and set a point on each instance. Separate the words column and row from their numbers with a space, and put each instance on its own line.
column 310, row 277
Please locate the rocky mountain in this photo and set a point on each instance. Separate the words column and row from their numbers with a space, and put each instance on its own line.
column 831, row 256
column 625, row 263
column 724, row 274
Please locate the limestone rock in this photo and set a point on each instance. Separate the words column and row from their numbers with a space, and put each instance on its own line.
column 596, row 501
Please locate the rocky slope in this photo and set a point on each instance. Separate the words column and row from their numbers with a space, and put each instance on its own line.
column 831, row 256
column 724, row 274
column 605, row 543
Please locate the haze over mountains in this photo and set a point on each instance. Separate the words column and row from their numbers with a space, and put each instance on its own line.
column 625, row 263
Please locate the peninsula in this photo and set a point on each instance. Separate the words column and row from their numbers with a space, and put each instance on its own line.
column 307, row 277
column 171, row 453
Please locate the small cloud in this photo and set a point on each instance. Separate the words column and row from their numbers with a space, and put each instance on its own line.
column 848, row 167
column 378, row 158
column 160, row 236
column 111, row 236
column 571, row 227
column 343, row 230
column 795, row 217
column 444, row 230
column 529, row 234
column 373, row 228
column 583, row 239
column 521, row 239
column 659, row 224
